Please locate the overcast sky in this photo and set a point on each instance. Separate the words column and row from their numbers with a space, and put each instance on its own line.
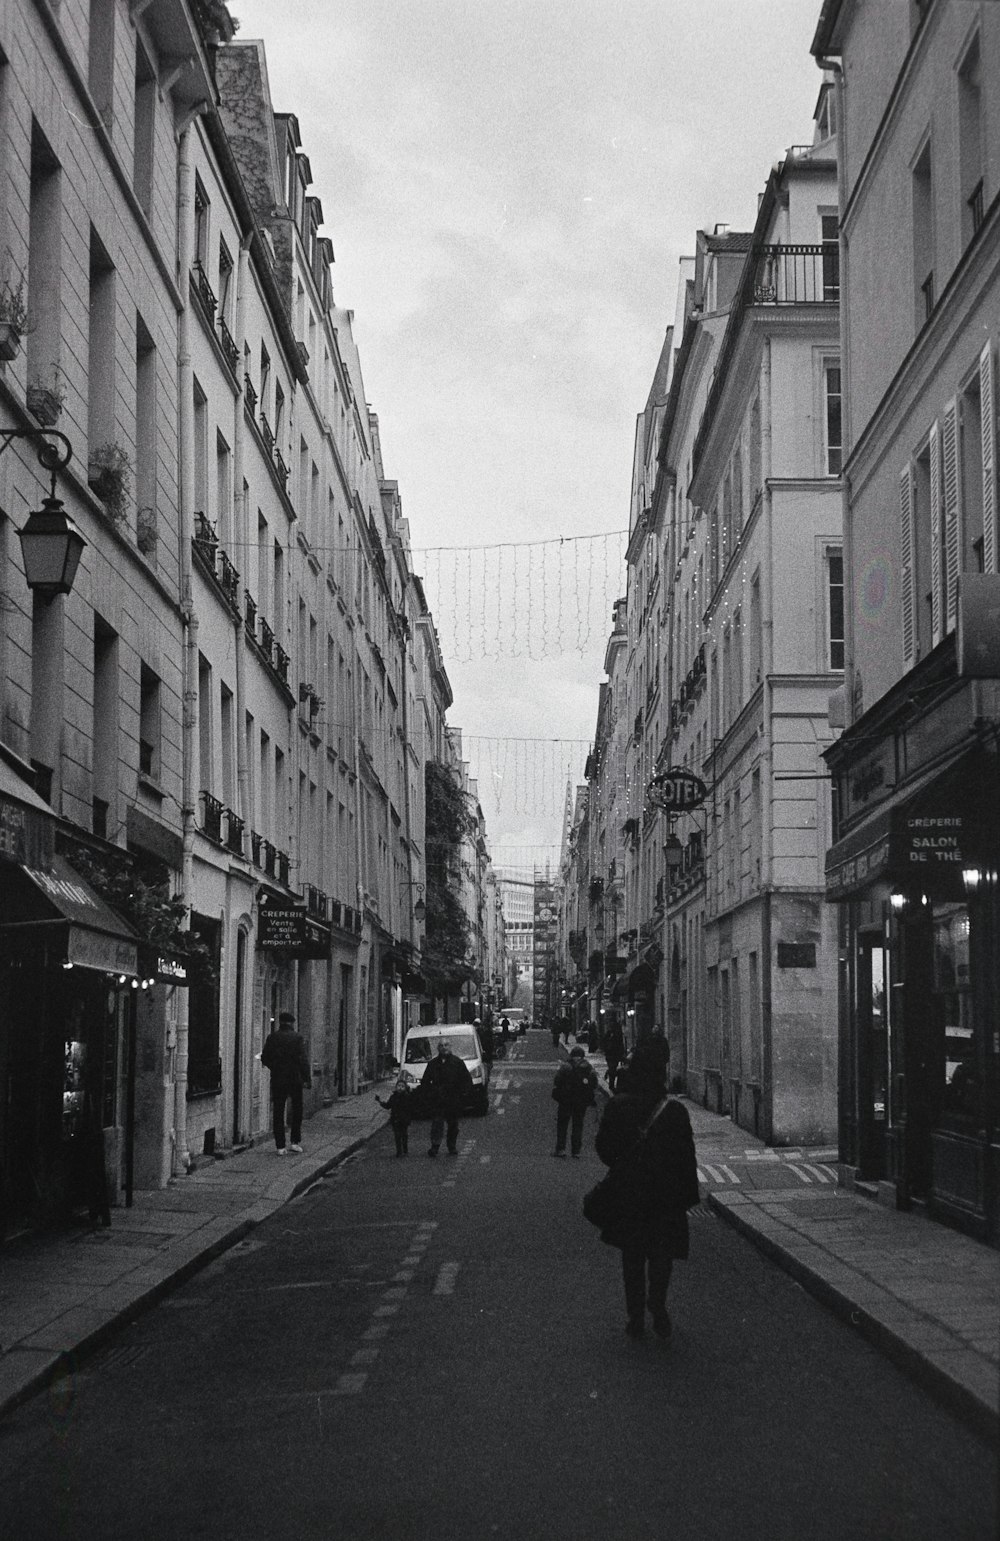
column 509, row 186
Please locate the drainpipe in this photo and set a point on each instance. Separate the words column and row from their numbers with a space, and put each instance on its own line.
column 241, row 532
column 189, row 727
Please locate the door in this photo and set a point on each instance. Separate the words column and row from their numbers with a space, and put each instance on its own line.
column 873, row 1054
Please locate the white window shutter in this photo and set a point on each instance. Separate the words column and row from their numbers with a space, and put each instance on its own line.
column 988, row 412
column 937, row 608
column 906, row 566
column 950, row 512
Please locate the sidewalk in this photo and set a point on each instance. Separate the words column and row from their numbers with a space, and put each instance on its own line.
column 925, row 1295
column 62, row 1295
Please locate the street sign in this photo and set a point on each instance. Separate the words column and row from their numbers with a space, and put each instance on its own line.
column 676, row 791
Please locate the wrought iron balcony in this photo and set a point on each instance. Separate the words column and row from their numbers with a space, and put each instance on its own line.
column 281, row 662
column 797, row 275
column 256, row 842
column 266, row 433
column 229, row 578
column 266, row 638
column 229, row 348
column 282, row 867
column 250, row 392
column 279, row 462
column 205, row 292
column 211, row 816
column 316, row 902
column 234, row 832
column 270, row 857
column 250, row 612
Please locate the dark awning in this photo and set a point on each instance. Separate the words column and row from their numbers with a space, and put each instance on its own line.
column 56, row 904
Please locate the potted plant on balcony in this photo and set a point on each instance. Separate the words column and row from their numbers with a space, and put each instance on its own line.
column 109, row 471
column 46, row 397
column 13, row 316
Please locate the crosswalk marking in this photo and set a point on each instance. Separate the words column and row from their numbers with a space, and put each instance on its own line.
column 820, row 1176
column 445, row 1281
column 802, row 1176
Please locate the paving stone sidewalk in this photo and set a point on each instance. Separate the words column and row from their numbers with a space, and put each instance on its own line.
column 62, row 1294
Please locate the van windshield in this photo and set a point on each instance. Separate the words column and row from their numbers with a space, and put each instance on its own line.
column 420, row 1050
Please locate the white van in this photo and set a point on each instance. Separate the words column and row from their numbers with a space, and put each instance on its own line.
column 420, row 1047
column 516, row 1016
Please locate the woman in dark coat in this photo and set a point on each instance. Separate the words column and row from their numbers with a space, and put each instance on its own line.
column 656, row 1184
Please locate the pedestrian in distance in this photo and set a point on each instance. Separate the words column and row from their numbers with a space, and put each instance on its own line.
column 400, row 1109
column 446, row 1084
column 574, row 1090
column 646, row 1139
column 614, row 1053
column 284, row 1054
column 556, row 1028
column 504, row 1037
column 486, row 1042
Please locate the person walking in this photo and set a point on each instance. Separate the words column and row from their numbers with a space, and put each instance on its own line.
column 400, row 1110
column 446, row 1083
column 574, row 1090
column 284, row 1054
column 486, row 1043
column 614, row 1053
column 646, row 1139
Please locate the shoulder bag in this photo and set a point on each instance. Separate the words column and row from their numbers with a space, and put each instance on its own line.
column 606, row 1204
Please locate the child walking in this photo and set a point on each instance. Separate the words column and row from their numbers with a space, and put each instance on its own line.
column 398, row 1105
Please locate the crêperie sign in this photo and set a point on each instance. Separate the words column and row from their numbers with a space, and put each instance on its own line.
column 676, row 791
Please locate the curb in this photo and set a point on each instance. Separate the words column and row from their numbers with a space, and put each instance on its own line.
column 61, row 1365
column 978, row 1415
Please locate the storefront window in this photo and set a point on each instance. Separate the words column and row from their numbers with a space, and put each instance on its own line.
column 952, row 987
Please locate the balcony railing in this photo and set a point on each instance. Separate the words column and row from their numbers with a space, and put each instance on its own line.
column 282, row 867
column 229, row 578
column 205, row 292
column 205, row 538
column 270, row 856
column 975, row 204
column 266, row 434
column 266, row 638
column 279, row 462
column 250, row 392
column 281, row 662
column 316, row 902
column 256, row 842
column 797, row 275
column 229, row 348
column 211, row 816
column 250, row 613
column 234, row 832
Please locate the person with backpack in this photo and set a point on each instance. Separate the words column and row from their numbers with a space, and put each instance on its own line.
column 646, row 1139
column 574, row 1090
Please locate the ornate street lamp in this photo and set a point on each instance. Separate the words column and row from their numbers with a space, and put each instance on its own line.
column 51, row 543
column 420, row 908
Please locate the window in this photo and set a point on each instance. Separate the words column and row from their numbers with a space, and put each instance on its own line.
column 923, row 237
column 201, row 218
column 205, row 759
column 835, row 608
column 101, row 59
column 265, row 379
column 755, row 471
column 105, row 729
column 144, row 128
column 200, row 449
column 204, row 1061
column 224, row 491
column 756, row 637
column 970, row 466
column 149, row 723
column 101, row 353
column 832, row 419
column 970, row 141
column 829, row 225
column 145, row 438
column 226, row 286
column 227, row 728
column 44, row 259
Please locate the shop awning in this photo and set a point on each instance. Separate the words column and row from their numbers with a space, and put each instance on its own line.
column 56, row 905
column 27, row 824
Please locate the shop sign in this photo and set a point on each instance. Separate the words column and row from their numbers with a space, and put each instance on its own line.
column 858, row 870
column 929, row 844
column 290, row 929
column 676, row 791
column 100, row 950
column 796, row 954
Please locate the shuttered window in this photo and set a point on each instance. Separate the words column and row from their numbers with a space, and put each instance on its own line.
column 950, row 513
column 936, row 552
column 987, row 407
column 906, row 567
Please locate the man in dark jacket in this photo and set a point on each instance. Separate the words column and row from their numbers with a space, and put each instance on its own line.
column 657, row 1183
column 284, row 1054
column 446, row 1083
column 574, row 1090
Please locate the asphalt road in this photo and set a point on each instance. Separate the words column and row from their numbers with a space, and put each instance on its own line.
column 434, row 1349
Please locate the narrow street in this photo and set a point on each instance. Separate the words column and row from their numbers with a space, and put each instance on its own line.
column 423, row 1348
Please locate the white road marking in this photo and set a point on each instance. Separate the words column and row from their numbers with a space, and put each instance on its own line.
column 500, row 1112
column 515, row 1099
column 399, row 1293
column 376, row 1331
column 365, row 1356
column 730, row 1174
column 496, row 1101
column 403, row 1276
column 349, row 1385
column 834, row 1174
column 385, row 1311
column 820, row 1176
column 714, row 1173
column 484, row 1160
column 444, row 1284
column 802, row 1176
column 412, row 1260
column 449, row 1184
column 760, row 1155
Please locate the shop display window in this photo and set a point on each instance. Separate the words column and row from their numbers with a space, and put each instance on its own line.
column 952, row 986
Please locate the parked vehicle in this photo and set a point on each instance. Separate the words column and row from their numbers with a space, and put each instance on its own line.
column 420, row 1047
column 516, row 1016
